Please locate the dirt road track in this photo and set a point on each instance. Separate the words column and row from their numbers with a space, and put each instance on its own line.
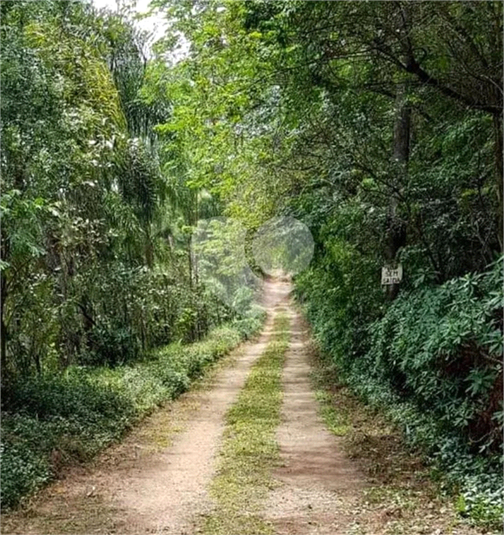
column 137, row 487
column 319, row 484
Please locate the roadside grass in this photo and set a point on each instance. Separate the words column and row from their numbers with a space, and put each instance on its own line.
column 90, row 512
column 54, row 422
column 336, row 421
column 402, row 497
column 249, row 450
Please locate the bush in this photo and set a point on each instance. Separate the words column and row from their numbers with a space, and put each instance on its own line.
column 433, row 363
column 57, row 419
column 111, row 346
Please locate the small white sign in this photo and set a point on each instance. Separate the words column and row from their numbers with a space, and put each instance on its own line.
column 391, row 275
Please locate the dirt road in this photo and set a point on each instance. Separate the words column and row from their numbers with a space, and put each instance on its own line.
column 157, row 480
column 318, row 483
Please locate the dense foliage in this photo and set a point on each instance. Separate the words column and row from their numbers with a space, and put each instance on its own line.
column 433, row 363
column 97, row 216
column 95, row 230
column 53, row 420
column 377, row 124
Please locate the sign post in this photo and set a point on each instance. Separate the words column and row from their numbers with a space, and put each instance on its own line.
column 391, row 275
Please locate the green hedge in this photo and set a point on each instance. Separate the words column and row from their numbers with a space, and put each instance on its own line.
column 74, row 415
column 433, row 363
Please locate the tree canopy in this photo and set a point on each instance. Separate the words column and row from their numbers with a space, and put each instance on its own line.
column 378, row 125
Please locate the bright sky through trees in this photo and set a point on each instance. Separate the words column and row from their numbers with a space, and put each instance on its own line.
column 154, row 24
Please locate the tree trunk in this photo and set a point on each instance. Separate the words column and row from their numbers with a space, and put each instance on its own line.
column 396, row 229
column 149, row 248
column 3, row 332
column 401, row 149
column 497, row 120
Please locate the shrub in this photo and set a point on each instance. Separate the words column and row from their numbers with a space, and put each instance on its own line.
column 52, row 420
column 433, row 363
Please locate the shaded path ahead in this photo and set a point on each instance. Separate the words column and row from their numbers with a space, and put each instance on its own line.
column 319, row 485
column 156, row 480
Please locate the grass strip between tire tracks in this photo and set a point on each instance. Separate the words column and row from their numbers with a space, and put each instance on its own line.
column 250, row 450
column 57, row 421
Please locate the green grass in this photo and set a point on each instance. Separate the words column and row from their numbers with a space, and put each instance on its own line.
column 249, row 449
column 53, row 421
column 335, row 420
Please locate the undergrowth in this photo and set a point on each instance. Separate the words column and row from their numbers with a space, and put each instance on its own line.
column 55, row 420
column 432, row 363
column 249, row 449
column 401, row 495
